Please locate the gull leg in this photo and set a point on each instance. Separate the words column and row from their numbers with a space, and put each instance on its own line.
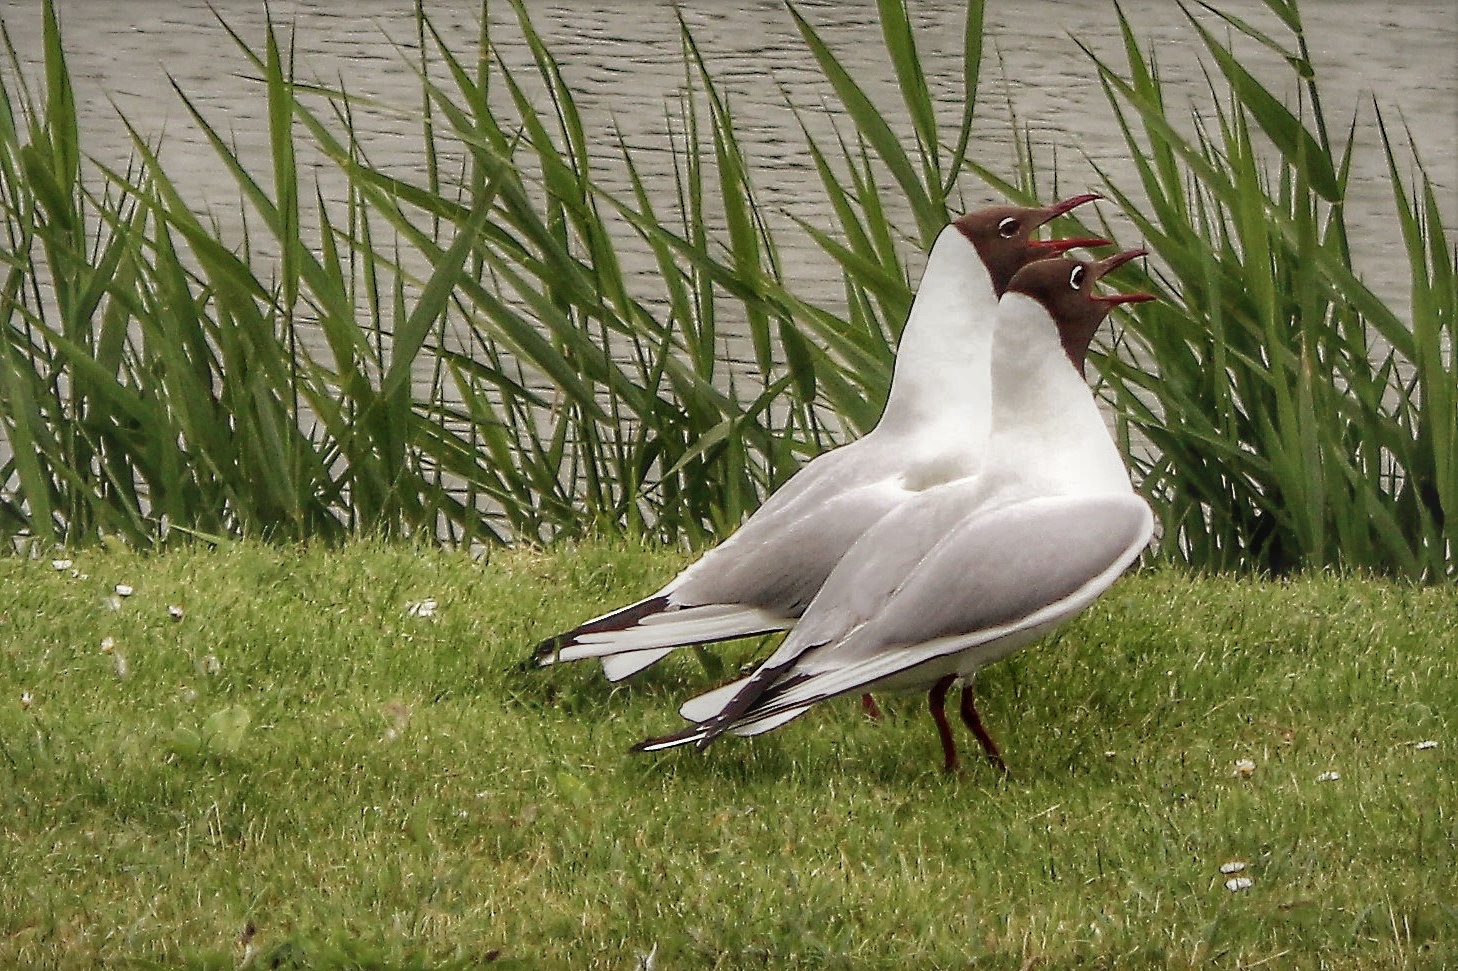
column 937, row 700
column 974, row 722
column 872, row 710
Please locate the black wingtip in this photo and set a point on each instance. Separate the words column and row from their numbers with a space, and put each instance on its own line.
column 663, row 742
column 546, row 652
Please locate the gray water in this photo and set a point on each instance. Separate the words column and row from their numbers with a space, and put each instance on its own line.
column 623, row 57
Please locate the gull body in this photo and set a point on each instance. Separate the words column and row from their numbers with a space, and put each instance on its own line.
column 970, row 570
column 932, row 431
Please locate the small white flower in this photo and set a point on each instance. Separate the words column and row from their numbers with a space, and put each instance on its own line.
column 123, row 589
column 108, row 644
column 1329, row 777
column 1244, row 768
column 1234, row 866
column 26, row 699
column 59, row 565
column 209, row 665
column 174, row 611
column 1236, row 884
column 1423, row 746
column 421, row 608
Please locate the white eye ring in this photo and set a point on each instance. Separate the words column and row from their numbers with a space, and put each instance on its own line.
column 1075, row 278
column 1008, row 228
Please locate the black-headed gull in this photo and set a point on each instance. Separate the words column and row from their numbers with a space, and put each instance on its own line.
column 969, row 571
column 933, row 430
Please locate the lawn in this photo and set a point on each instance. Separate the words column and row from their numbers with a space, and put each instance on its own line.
column 279, row 757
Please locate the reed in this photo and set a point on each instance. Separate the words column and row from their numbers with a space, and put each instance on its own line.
column 462, row 356
column 1296, row 420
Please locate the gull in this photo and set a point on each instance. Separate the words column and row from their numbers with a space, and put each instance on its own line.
column 971, row 570
column 932, row 431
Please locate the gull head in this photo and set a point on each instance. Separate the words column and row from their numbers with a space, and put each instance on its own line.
column 1003, row 236
column 1065, row 288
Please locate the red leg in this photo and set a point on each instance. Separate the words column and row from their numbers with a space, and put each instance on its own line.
column 974, row 722
column 937, row 700
column 873, row 710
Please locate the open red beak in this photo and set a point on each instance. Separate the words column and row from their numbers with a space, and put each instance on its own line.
column 1054, row 247
column 1103, row 267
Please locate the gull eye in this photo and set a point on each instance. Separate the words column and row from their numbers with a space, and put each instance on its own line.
column 1008, row 228
column 1075, row 278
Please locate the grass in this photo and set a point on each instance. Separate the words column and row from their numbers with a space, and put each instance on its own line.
column 301, row 770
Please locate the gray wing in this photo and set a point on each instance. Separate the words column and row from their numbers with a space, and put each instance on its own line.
column 876, row 567
column 998, row 574
column 781, row 556
column 866, row 577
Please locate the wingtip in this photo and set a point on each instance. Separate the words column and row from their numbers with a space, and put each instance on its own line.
column 664, row 742
column 549, row 651
column 545, row 653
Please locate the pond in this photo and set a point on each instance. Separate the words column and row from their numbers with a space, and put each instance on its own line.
column 623, row 56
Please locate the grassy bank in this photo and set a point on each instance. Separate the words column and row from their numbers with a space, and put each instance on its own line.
column 302, row 769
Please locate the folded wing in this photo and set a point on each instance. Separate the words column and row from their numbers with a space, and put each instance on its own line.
column 994, row 582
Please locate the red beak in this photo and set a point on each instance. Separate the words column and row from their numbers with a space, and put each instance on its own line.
column 1105, row 266
column 1054, row 247
column 1067, row 205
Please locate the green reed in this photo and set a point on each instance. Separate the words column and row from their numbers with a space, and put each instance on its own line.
column 461, row 354
column 1296, row 420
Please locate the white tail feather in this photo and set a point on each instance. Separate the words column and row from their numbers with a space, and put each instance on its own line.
column 663, row 745
column 770, row 723
column 676, row 628
column 701, row 708
column 619, row 666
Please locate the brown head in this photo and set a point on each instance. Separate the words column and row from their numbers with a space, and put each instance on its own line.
column 1003, row 236
column 1066, row 289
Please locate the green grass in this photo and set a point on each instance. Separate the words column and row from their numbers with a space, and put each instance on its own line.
column 369, row 789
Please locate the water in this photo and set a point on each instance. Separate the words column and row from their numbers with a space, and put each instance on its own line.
column 623, row 57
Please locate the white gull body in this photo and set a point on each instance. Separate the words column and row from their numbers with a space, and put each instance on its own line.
column 970, row 570
column 933, row 431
